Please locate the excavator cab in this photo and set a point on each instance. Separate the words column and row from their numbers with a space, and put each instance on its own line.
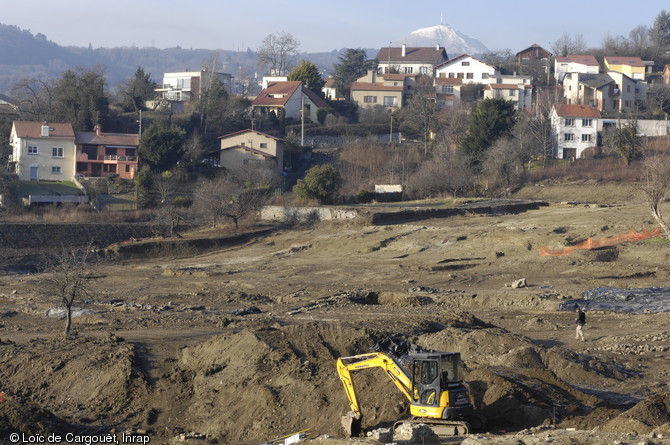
column 438, row 391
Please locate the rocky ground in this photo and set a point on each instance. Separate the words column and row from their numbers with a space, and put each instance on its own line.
column 238, row 345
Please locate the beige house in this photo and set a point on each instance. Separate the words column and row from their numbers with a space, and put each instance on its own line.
column 610, row 92
column 447, row 91
column 248, row 149
column 515, row 88
column 42, row 151
column 388, row 90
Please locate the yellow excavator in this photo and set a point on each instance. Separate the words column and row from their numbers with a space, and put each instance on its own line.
column 431, row 381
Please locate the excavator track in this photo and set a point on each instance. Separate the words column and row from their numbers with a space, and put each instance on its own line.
column 442, row 428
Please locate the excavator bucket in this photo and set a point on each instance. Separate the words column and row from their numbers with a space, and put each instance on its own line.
column 351, row 425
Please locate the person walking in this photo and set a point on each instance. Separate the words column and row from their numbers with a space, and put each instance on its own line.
column 580, row 321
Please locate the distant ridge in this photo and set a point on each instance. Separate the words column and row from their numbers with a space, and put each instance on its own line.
column 454, row 41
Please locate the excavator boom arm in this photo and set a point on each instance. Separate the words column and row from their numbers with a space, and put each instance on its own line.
column 347, row 365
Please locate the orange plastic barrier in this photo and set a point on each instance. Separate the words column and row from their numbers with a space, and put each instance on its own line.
column 591, row 243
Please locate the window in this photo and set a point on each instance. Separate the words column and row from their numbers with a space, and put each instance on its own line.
column 423, row 70
column 586, row 138
column 465, row 63
column 409, row 70
column 109, row 168
column 370, row 99
column 512, row 93
column 127, row 168
column 485, row 75
column 569, row 122
column 469, row 76
column 57, row 152
column 264, row 145
column 460, row 75
column 586, row 123
column 448, row 89
column 390, row 101
column 452, row 75
column 627, row 88
column 55, row 170
column 569, row 137
column 32, row 149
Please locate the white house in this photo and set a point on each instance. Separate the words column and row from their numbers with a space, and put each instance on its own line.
column 42, row 151
column 285, row 99
column 574, row 128
column 466, row 68
column 410, row 60
column 577, row 63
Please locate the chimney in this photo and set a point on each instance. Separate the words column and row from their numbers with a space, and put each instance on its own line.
column 98, row 129
column 437, row 46
column 45, row 130
column 404, row 49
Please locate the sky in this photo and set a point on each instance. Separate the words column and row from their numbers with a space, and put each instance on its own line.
column 320, row 26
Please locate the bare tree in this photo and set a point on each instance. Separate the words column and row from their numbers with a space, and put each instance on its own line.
column 502, row 169
column 232, row 195
column 35, row 99
column 624, row 140
column 276, row 51
column 568, row 44
column 655, row 185
column 68, row 275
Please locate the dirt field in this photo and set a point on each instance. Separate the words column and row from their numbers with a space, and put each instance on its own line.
column 238, row 346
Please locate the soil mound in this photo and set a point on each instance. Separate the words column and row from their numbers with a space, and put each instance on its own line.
column 18, row 416
column 84, row 380
column 644, row 417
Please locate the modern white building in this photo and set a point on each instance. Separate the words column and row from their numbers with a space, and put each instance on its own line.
column 186, row 86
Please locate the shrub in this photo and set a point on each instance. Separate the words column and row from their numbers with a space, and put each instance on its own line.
column 365, row 196
column 321, row 183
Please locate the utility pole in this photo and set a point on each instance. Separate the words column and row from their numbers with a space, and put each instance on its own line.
column 302, row 117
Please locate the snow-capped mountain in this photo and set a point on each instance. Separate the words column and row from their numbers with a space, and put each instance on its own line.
column 454, row 41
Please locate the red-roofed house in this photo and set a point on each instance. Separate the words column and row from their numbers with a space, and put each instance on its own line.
column 250, row 149
column 102, row 154
column 575, row 64
column 42, row 150
column 467, row 68
column 410, row 60
column 388, row 90
column 574, row 128
column 284, row 99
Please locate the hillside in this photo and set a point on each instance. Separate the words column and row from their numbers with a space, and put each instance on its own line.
column 23, row 54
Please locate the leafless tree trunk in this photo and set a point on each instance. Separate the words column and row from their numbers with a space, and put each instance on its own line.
column 69, row 273
column 655, row 185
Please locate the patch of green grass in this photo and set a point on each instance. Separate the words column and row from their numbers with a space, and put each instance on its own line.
column 658, row 240
column 25, row 188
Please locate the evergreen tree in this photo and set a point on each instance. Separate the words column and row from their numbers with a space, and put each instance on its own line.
column 354, row 63
column 309, row 75
column 491, row 119
column 161, row 146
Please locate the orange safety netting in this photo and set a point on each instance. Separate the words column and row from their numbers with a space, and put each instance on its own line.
column 591, row 243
